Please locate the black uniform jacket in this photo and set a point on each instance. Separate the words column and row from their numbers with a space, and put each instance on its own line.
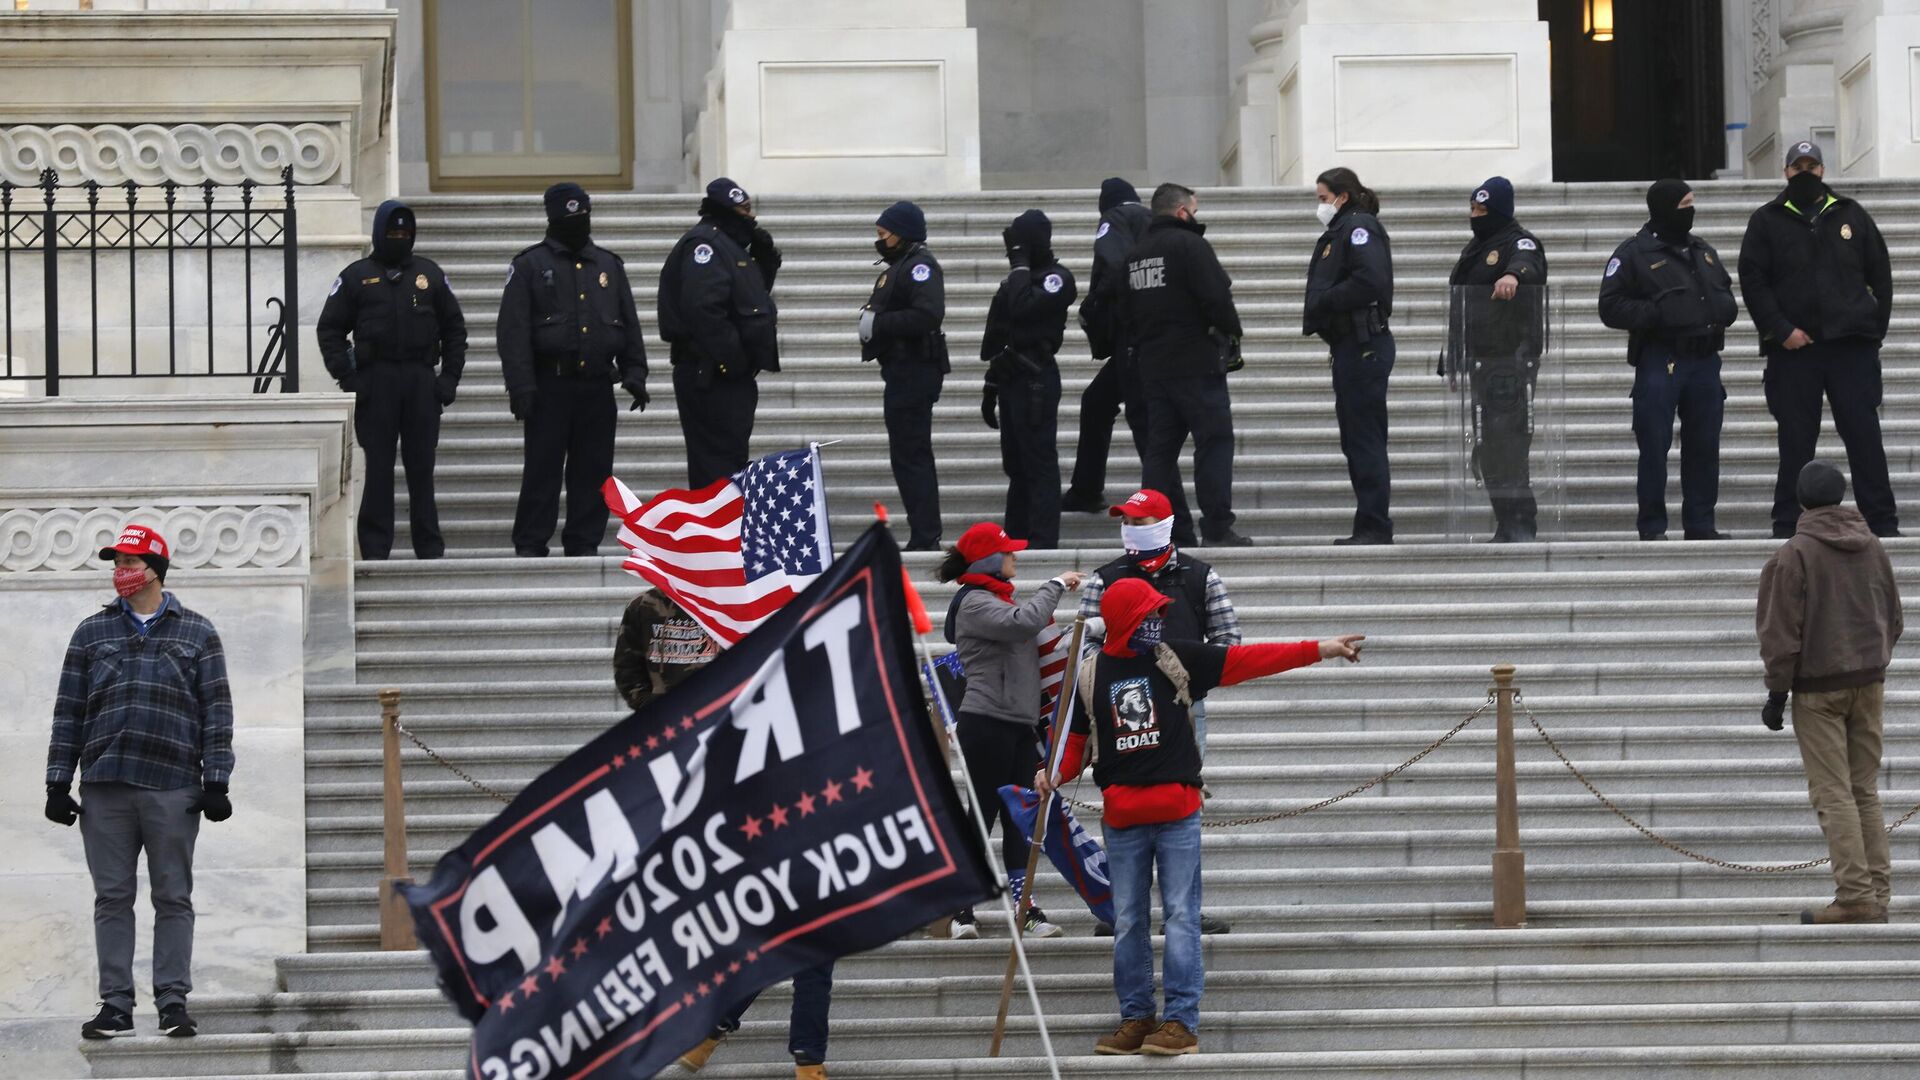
column 1486, row 326
column 1829, row 277
column 1029, row 316
column 909, row 301
column 1102, row 313
column 1667, row 294
column 1349, row 278
column 1178, row 297
column 569, row 313
column 715, row 307
column 397, row 314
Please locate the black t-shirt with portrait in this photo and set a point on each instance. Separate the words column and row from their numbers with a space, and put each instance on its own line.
column 1141, row 735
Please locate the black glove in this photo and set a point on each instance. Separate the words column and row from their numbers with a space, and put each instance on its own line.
column 520, row 403
column 61, row 809
column 989, row 398
column 350, row 383
column 1774, row 712
column 212, row 802
column 761, row 246
column 1016, row 251
column 443, row 392
column 640, row 397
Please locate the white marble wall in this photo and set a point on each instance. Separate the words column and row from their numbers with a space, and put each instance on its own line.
column 1877, row 91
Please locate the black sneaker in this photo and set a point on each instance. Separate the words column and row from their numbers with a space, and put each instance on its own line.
column 110, row 1023
column 1102, row 929
column 1080, row 502
column 1211, row 925
column 175, row 1022
column 1710, row 534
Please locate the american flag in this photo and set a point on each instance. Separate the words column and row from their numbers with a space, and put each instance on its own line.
column 733, row 552
column 1054, row 642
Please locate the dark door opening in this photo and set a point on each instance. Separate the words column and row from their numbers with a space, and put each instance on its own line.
column 1646, row 104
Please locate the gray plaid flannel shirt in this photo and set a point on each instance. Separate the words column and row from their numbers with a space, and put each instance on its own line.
column 150, row 709
column 1219, row 623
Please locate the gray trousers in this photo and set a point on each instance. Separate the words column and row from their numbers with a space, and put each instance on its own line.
column 117, row 822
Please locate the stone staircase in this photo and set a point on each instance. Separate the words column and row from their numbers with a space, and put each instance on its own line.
column 1361, row 943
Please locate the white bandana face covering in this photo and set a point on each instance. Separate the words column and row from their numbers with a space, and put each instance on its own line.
column 1139, row 538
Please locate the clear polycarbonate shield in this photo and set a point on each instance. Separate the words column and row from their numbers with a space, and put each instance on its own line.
column 1506, row 459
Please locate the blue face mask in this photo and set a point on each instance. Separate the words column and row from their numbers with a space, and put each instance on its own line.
column 1147, row 634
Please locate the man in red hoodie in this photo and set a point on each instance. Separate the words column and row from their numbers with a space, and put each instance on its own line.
column 1134, row 700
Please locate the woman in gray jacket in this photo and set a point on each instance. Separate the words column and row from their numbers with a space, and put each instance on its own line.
column 999, row 716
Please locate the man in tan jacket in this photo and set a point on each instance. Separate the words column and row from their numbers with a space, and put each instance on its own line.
column 1827, row 618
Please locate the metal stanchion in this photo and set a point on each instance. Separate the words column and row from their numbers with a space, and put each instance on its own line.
column 1509, row 862
column 396, row 922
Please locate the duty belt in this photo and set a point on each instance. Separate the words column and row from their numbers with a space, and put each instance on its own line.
column 567, row 367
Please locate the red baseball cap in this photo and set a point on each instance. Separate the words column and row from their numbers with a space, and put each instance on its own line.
column 138, row 540
column 1146, row 503
column 1125, row 603
column 986, row 539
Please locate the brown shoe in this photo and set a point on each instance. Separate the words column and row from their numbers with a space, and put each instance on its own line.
column 1172, row 1038
column 809, row 1072
column 1126, row 1039
column 1866, row 911
column 695, row 1059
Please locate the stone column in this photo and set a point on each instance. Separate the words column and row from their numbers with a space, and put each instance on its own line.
column 1251, row 146
column 1796, row 101
column 1403, row 92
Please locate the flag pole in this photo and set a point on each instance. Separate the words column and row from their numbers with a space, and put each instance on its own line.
column 1056, row 750
column 922, row 624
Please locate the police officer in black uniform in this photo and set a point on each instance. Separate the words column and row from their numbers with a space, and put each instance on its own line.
column 900, row 327
column 403, row 316
column 1816, row 277
column 1497, row 330
column 1179, row 304
column 1349, row 302
column 1669, row 290
column 716, row 313
column 1115, row 389
column 568, row 329
column 1025, row 325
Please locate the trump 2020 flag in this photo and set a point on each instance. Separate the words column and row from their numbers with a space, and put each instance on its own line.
column 786, row 805
column 1072, row 850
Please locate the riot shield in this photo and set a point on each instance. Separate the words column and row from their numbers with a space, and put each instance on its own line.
column 1506, row 415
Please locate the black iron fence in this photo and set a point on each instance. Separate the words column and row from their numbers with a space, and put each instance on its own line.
column 60, row 239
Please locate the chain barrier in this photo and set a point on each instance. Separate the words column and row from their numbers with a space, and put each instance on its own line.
column 1235, row 823
column 1749, row 868
column 450, row 766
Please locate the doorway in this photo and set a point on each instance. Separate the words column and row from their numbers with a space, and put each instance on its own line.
column 1636, row 89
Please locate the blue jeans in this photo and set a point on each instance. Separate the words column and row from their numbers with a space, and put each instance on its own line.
column 1131, row 856
column 807, row 1025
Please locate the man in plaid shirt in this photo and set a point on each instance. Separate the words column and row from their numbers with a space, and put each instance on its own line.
column 1201, row 609
column 144, row 716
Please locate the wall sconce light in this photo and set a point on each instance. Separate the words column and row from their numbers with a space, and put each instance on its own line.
column 1596, row 19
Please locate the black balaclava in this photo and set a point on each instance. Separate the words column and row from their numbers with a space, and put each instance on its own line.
column 1806, row 192
column 1669, row 221
column 1035, row 232
column 392, row 232
column 569, row 215
column 721, row 205
column 1496, row 196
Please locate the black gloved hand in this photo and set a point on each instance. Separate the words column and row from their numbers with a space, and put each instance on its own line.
column 212, row 802
column 1016, row 251
column 520, row 403
column 443, row 392
column 640, row 398
column 989, row 398
column 61, row 809
column 1774, row 712
column 761, row 242
column 350, row 383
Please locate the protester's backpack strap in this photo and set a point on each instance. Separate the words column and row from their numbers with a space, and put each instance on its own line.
column 1169, row 664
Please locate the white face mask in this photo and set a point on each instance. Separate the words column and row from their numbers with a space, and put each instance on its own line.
column 1325, row 211
column 1138, row 538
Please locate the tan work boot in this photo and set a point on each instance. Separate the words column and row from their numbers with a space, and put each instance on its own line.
column 809, row 1072
column 696, row 1058
column 1865, row 911
column 1172, row 1038
column 1126, row 1038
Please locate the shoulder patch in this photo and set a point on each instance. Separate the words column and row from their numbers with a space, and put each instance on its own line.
column 445, row 281
column 1524, row 244
column 1105, row 228
column 1053, row 283
column 509, row 273
column 1613, row 266
column 922, row 272
column 702, row 254
column 1360, row 235
column 336, row 287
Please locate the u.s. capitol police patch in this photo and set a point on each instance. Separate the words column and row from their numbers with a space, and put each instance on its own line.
column 336, row 287
column 1105, row 228
column 1613, row 267
column 1524, row 244
column 1052, row 283
column 1360, row 236
column 922, row 272
column 509, row 273
column 702, row 254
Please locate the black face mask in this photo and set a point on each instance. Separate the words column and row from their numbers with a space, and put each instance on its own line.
column 1806, row 191
column 888, row 253
column 1484, row 226
column 394, row 250
column 1674, row 225
column 572, row 232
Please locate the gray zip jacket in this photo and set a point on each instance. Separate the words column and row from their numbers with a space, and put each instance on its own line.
column 995, row 641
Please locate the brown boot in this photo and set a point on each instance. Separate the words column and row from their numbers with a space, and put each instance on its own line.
column 695, row 1059
column 1865, row 911
column 809, row 1072
column 1172, row 1038
column 1126, row 1038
